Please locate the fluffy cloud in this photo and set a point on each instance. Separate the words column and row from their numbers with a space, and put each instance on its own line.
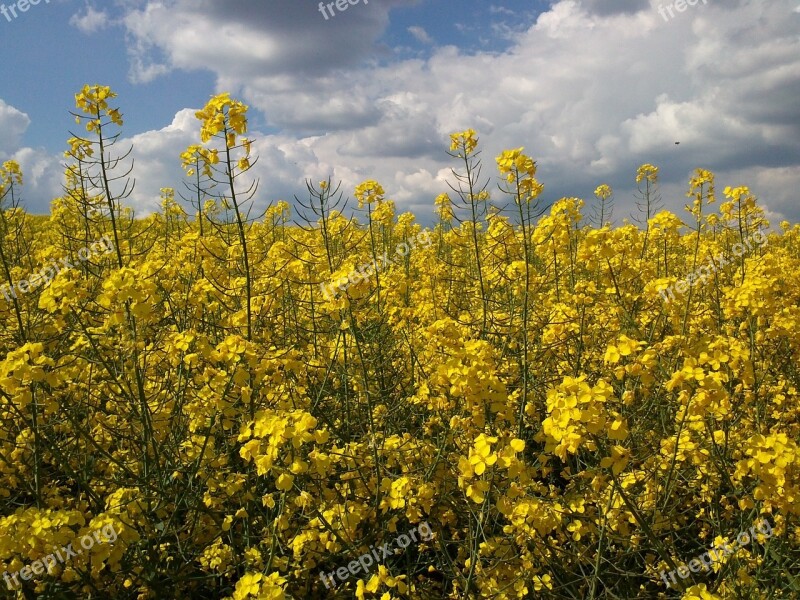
column 592, row 89
column 90, row 20
column 13, row 123
column 251, row 39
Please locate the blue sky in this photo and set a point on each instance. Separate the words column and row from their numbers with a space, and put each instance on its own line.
column 591, row 88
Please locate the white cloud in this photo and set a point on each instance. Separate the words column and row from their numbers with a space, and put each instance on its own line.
column 90, row 21
column 42, row 176
column 13, row 124
column 591, row 90
column 280, row 169
column 420, row 34
column 256, row 39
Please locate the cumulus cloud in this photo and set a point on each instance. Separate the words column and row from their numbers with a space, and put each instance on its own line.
column 13, row 123
column 90, row 20
column 254, row 39
column 283, row 163
column 42, row 178
column 592, row 89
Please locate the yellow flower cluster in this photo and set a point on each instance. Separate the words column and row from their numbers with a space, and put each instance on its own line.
column 222, row 114
column 577, row 413
column 520, row 171
column 464, row 143
column 93, row 102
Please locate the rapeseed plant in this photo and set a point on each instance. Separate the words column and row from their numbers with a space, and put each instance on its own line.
column 517, row 383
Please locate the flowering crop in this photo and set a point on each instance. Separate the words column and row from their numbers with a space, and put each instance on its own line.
column 517, row 384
